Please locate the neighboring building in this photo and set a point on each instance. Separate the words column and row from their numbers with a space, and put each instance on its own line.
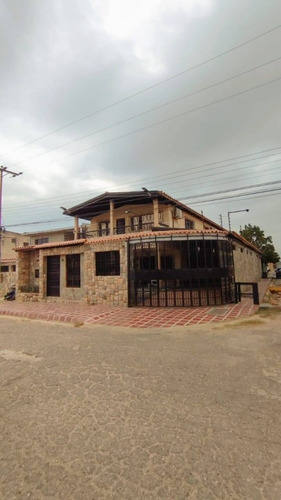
column 55, row 235
column 141, row 249
column 9, row 240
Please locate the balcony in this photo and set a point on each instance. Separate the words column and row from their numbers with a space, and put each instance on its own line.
column 100, row 233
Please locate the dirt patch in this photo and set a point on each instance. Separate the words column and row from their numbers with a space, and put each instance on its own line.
column 10, row 355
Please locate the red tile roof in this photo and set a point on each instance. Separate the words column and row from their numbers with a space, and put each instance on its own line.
column 146, row 234
column 53, row 244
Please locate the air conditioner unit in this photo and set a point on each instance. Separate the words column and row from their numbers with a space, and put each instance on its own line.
column 177, row 213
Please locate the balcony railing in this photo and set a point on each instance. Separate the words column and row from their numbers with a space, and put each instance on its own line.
column 120, row 230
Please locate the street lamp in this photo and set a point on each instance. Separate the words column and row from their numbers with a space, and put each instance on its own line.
column 234, row 212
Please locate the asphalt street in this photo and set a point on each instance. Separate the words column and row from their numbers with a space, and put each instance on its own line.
column 109, row 413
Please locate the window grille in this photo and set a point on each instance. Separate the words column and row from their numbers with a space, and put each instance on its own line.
column 73, row 279
column 40, row 241
column 108, row 263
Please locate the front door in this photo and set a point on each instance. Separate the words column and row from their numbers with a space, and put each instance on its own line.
column 53, row 276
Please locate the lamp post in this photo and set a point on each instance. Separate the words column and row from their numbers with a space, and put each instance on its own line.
column 234, row 212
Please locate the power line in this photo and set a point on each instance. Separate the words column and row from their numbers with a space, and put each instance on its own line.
column 187, row 171
column 273, row 191
column 3, row 172
column 161, row 106
column 189, row 186
column 187, row 70
column 235, row 189
column 234, row 196
column 165, row 120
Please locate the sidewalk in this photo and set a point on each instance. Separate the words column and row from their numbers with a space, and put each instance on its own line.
column 131, row 317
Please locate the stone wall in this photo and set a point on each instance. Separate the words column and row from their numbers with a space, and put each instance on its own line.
column 112, row 290
column 66, row 293
column 247, row 263
column 7, row 280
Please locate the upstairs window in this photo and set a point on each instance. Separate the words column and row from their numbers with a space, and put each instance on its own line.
column 41, row 241
column 73, row 279
column 108, row 263
column 189, row 224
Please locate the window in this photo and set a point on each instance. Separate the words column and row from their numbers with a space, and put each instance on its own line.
column 25, row 244
column 241, row 250
column 14, row 240
column 189, row 224
column 68, row 236
column 108, row 263
column 104, row 228
column 4, row 269
column 40, row 241
column 13, row 268
column 36, row 273
column 73, row 271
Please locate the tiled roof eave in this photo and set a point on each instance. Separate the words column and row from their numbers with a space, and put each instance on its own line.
column 153, row 234
column 55, row 244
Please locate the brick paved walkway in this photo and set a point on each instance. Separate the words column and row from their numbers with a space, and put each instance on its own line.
column 131, row 317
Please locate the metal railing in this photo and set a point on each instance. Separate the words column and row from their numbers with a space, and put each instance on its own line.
column 99, row 233
column 254, row 292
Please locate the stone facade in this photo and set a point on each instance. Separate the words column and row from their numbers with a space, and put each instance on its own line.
column 247, row 263
column 111, row 290
column 93, row 289
column 110, row 285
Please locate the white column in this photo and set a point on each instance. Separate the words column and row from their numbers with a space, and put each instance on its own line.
column 155, row 212
column 111, row 219
column 76, row 228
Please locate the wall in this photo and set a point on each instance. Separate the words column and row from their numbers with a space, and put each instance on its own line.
column 9, row 241
column 136, row 210
column 112, row 290
column 247, row 263
column 7, row 279
column 66, row 293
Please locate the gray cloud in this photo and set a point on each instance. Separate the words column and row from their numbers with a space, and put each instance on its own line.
column 61, row 60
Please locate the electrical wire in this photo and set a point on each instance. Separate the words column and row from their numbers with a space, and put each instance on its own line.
column 187, row 70
column 274, row 191
column 13, row 208
column 126, row 120
column 160, row 122
column 234, row 196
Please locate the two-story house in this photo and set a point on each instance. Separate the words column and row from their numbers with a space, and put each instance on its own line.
column 142, row 248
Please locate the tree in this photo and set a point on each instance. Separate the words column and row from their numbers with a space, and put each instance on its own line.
column 256, row 236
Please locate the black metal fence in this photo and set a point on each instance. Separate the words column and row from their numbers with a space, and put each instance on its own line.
column 181, row 273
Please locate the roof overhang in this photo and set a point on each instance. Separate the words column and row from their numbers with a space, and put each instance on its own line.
column 101, row 204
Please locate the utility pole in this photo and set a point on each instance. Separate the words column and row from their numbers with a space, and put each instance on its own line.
column 3, row 172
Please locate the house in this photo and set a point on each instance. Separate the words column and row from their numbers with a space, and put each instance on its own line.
column 141, row 248
column 8, row 241
column 11, row 240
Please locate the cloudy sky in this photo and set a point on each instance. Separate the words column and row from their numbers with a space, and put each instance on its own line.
column 176, row 95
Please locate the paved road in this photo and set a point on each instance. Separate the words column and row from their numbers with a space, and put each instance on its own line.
column 100, row 413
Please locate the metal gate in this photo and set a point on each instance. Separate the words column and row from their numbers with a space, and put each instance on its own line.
column 186, row 273
column 53, row 276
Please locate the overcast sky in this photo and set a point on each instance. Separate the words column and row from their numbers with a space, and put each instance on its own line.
column 64, row 61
